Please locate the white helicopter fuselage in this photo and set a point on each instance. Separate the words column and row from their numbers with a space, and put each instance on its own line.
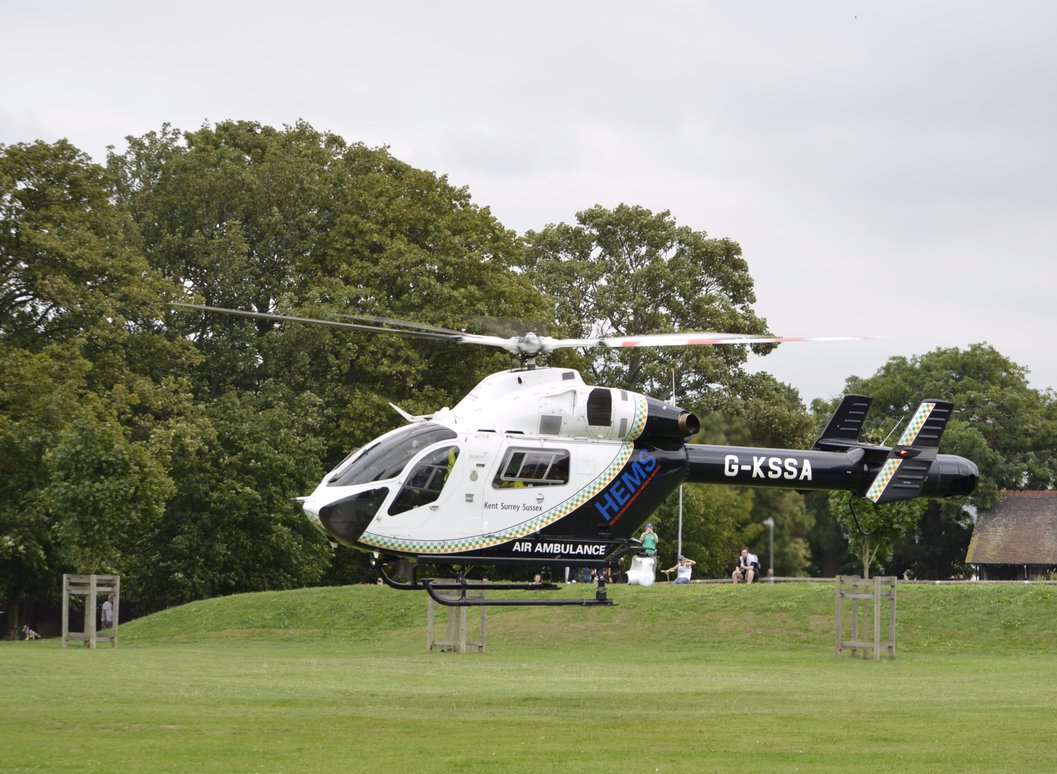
column 535, row 465
column 520, row 452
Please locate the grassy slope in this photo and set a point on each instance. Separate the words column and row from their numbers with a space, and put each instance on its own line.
column 674, row 679
column 985, row 618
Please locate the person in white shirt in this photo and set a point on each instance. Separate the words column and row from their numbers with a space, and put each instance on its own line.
column 108, row 613
column 747, row 567
column 683, row 570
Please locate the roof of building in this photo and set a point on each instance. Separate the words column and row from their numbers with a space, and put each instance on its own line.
column 1020, row 529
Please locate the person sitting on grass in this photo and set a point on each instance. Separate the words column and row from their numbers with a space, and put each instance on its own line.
column 683, row 570
column 29, row 634
column 748, row 567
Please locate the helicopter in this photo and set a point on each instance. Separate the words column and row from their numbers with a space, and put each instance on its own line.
column 535, row 467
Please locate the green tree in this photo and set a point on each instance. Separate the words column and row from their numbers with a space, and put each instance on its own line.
column 830, row 552
column 630, row 271
column 1000, row 422
column 84, row 407
column 874, row 530
column 299, row 221
column 67, row 266
column 231, row 525
column 29, row 418
column 104, row 493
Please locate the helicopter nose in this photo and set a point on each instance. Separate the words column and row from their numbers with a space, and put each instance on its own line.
column 311, row 510
column 346, row 518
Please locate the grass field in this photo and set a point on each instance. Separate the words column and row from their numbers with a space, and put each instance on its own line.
column 674, row 679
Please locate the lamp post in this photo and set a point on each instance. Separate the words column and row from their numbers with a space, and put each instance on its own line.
column 769, row 523
column 679, row 539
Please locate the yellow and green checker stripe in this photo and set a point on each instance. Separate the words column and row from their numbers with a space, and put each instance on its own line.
column 911, row 431
column 638, row 424
column 910, row 434
column 535, row 524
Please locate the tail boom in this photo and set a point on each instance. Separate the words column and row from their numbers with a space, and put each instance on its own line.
column 854, row 470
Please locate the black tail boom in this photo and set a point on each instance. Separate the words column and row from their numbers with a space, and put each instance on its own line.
column 853, row 470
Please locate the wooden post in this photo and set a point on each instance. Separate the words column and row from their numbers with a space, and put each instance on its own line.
column 90, row 612
column 837, row 614
column 876, row 618
column 457, row 627
column 892, row 623
column 429, row 624
column 116, row 611
column 65, row 609
column 453, row 626
column 463, row 620
column 854, row 614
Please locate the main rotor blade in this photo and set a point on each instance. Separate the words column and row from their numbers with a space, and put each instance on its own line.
column 688, row 339
column 438, row 335
column 403, row 323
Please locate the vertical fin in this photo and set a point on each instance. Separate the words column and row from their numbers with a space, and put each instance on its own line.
column 844, row 426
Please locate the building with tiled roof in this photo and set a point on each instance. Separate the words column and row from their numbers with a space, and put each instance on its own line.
column 1017, row 539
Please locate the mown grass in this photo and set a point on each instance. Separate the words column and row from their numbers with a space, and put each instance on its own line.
column 706, row 678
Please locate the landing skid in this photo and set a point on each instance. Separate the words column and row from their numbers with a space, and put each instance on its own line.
column 433, row 586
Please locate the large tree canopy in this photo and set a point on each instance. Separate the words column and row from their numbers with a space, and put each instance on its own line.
column 631, row 271
column 299, row 221
column 90, row 403
column 167, row 444
column 999, row 422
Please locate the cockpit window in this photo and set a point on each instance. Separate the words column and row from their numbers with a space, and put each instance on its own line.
column 426, row 480
column 388, row 457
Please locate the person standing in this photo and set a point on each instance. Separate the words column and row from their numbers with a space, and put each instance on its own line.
column 108, row 613
column 649, row 541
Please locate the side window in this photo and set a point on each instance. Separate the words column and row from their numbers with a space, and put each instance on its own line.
column 532, row 467
column 426, row 480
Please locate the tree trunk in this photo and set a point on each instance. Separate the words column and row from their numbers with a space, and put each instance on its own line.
column 866, row 555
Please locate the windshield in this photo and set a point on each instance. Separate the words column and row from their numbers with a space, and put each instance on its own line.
column 388, row 457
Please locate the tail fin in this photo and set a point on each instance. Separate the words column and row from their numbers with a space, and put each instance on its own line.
column 903, row 474
column 844, row 426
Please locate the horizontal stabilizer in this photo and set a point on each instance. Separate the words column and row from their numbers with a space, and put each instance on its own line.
column 903, row 475
column 844, row 426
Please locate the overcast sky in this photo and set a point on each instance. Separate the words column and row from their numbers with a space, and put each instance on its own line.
column 889, row 168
